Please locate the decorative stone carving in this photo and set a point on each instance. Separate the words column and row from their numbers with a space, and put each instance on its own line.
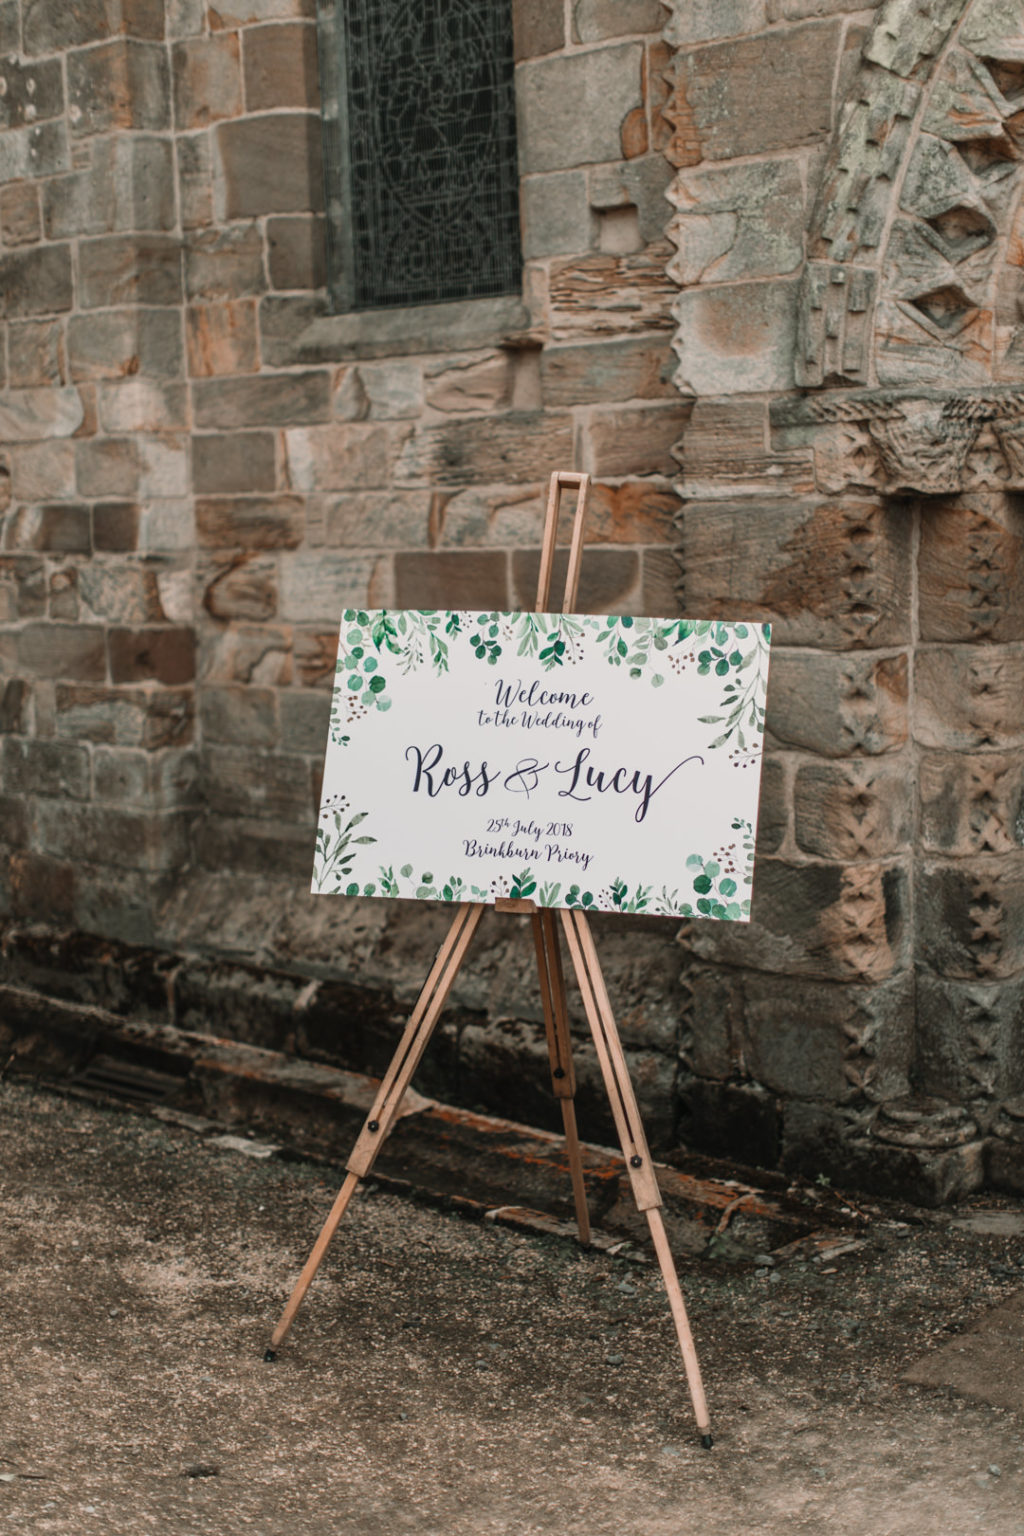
column 925, row 441
column 893, row 295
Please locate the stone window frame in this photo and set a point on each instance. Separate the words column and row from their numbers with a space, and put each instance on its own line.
column 431, row 320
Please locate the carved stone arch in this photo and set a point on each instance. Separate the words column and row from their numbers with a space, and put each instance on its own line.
column 913, row 286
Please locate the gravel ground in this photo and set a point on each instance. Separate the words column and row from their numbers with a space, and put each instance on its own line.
column 447, row 1376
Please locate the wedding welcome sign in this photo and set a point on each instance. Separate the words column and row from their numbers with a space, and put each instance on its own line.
column 607, row 763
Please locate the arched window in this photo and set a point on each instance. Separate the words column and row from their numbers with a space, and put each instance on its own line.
column 420, row 141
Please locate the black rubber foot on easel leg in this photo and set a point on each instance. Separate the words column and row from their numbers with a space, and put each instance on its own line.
column 270, row 1355
column 707, row 1441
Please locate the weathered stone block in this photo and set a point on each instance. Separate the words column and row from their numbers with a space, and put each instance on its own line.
column 274, row 400
column 738, row 222
column 255, row 847
column 74, row 651
column 244, row 587
column 538, row 27
column 20, row 217
column 162, row 655
column 127, row 185
column 244, row 653
column 452, row 579
column 756, row 95
column 224, row 263
column 503, row 448
column 572, row 107
column 854, row 810
column 296, row 252
column 281, row 67
column 236, row 462
column 22, row 588
column 632, row 369
column 127, row 592
column 316, row 655
column 267, row 786
column 239, row 716
column 30, row 91
column 107, row 466
column 968, row 1040
column 737, row 339
column 269, row 164
column 195, row 179
column 148, row 780
column 611, row 294
column 556, row 214
column 40, row 471
column 639, row 439
column 35, row 353
column 609, row 580
column 970, row 917
column 702, row 21
column 207, row 79
column 42, row 890
column 971, row 569
column 98, row 834
column 725, row 455
column 774, row 805
column 251, row 522
column 305, row 719
column 46, row 151
column 803, row 1039
column 820, row 921
column 138, row 404
column 458, row 384
column 395, row 391
column 398, row 520
column 59, row 769
column 594, row 21
column 341, row 457
column 971, row 804
column 969, row 698
column 129, row 717
column 15, row 698
column 632, row 512
column 115, row 526
column 317, row 585
column 120, row 84
column 129, row 269
column 838, row 706
column 120, row 343
column 222, row 339
column 48, row 31
column 36, row 282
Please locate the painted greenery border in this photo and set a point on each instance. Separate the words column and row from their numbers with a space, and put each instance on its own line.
column 376, row 643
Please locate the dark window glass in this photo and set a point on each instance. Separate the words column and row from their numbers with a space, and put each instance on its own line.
column 423, row 185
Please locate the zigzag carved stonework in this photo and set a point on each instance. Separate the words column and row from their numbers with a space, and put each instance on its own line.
column 988, row 815
column 987, row 916
column 859, row 1050
column 983, row 1031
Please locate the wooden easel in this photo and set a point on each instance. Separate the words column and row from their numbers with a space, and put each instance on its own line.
column 552, row 985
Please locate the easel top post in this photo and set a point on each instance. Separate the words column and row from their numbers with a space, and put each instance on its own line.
column 563, row 480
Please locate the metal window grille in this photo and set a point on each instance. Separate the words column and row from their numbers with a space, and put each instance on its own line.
column 420, row 151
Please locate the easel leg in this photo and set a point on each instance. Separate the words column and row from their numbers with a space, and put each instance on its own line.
column 634, row 1141
column 389, row 1096
column 563, row 1077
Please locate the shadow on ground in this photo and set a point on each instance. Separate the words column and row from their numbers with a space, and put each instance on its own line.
column 448, row 1376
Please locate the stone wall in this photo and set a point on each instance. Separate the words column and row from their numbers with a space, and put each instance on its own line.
column 201, row 466
column 848, row 224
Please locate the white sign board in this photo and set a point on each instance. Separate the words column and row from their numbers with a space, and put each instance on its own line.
column 606, row 763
